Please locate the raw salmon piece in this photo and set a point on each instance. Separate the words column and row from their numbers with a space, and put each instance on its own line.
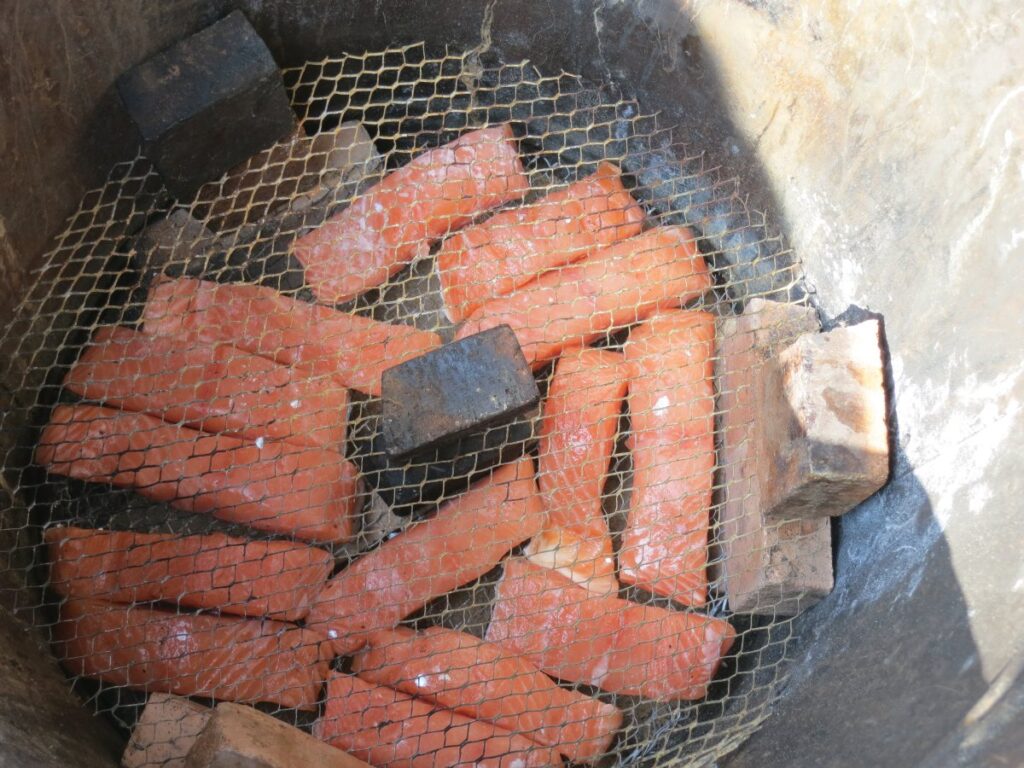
column 210, row 386
column 671, row 410
column 384, row 229
column 577, row 436
column 480, row 679
column 615, row 287
column 390, row 729
column 353, row 350
column 466, row 538
column 616, row 645
column 495, row 257
column 279, row 487
column 251, row 578
column 223, row 657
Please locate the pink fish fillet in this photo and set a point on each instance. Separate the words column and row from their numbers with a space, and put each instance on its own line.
column 464, row 540
column 671, row 411
column 349, row 349
column 577, row 436
column 616, row 645
column 615, row 287
column 390, row 729
column 398, row 219
column 481, row 679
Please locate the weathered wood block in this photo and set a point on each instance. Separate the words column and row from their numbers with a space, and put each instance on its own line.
column 242, row 737
column 768, row 567
column 464, row 387
column 207, row 103
column 825, row 407
column 165, row 732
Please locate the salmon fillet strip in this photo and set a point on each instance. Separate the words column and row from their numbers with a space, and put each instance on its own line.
column 210, row 386
column 607, row 642
column 307, row 493
column 671, row 410
column 492, row 259
column 577, row 436
column 616, row 287
column 223, row 657
column 482, row 680
column 214, row 571
column 390, row 729
column 464, row 540
column 350, row 349
column 398, row 219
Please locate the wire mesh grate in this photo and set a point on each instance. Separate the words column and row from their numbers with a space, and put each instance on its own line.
column 192, row 446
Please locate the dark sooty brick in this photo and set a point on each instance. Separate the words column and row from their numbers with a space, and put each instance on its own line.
column 463, row 387
column 207, row 103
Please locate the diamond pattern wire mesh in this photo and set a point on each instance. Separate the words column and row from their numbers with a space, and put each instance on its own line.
column 191, row 521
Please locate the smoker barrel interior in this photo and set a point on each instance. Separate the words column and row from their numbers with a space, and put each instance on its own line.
column 885, row 156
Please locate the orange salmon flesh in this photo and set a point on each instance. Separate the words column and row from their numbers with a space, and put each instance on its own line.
column 509, row 249
column 383, row 230
column 671, row 407
column 480, row 679
column 616, row 287
column 390, row 729
column 278, row 487
column 465, row 539
column 350, row 349
column 213, row 387
column 607, row 642
column 577, row 437
column 223, row 657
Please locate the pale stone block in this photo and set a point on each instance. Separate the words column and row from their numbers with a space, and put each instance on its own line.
column 769, row 568
column 242, row 737
column 166, row 731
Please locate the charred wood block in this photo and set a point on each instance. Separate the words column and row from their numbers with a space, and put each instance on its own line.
column 166, row 731
column 480, row 381
column 773, row 568
column 410, row 486
column 207, row 103
column 176, row 245
column 242, row 737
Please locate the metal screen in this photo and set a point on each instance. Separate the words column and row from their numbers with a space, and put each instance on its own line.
column 180, row 489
